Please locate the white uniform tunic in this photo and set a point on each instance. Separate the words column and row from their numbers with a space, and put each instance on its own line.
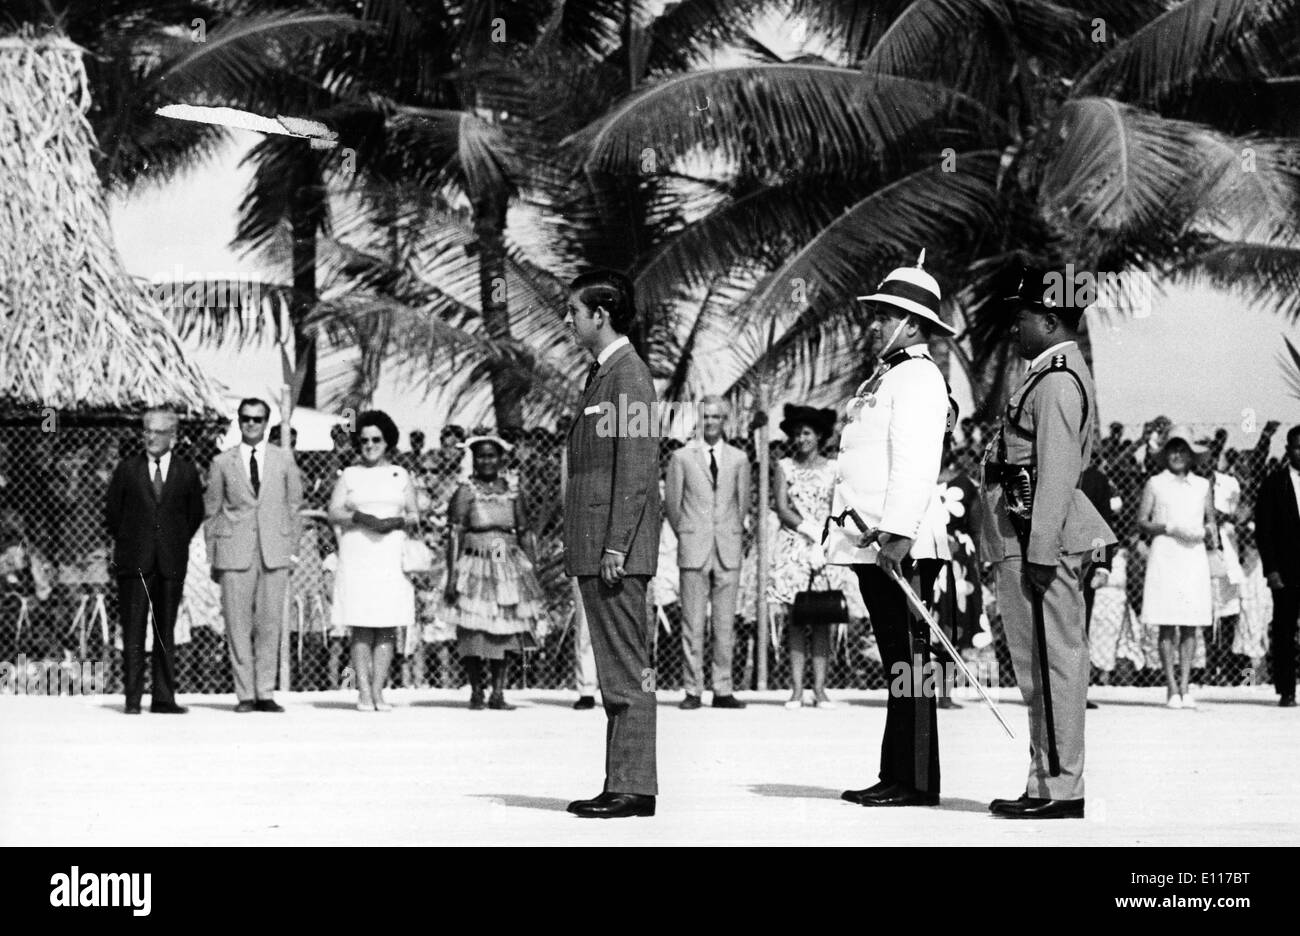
column 890, row 454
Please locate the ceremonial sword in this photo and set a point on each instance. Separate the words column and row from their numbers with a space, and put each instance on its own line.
column 918, row 607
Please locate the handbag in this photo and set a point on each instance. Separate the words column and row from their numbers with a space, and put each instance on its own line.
column 819, row 607
column 417, row 557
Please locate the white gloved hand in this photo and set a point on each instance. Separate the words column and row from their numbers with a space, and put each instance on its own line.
column 811, row 530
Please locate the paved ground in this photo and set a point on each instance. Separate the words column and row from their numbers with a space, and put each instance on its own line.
column 78, row 771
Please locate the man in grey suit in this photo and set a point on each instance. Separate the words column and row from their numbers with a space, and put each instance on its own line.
column 611, row 535
column 253, row 528
column 1038, row 528
column 706, row 497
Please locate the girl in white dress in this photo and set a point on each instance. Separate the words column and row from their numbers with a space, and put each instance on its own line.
column 1178, row 513
column 373, row 505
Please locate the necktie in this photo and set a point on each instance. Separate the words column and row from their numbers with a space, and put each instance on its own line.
column 591, row 374
column 253, row 475
column 713, row 467
column 157, row 478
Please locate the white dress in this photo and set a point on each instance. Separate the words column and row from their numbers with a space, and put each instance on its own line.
column 1176, row 591
column 370, row 588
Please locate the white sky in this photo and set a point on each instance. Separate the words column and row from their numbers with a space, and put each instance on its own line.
column 1200, row 357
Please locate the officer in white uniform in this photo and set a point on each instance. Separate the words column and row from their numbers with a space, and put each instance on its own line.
column 885, row 496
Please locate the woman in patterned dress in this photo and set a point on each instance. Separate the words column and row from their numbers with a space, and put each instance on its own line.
column 803, row 485
column 492, row 595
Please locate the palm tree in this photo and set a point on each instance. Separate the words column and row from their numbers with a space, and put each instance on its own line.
column 449, row 128
column 145, row 54
column 1059, row 132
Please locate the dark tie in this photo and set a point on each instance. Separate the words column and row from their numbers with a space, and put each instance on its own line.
column 713, row 467
column 157, row 479
column 253, row 474
column 591, row 374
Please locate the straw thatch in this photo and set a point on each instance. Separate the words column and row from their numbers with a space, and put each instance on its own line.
column 77, row 334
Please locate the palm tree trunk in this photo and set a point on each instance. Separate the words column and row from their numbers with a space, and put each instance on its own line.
column 306, row 216
column 508, row 384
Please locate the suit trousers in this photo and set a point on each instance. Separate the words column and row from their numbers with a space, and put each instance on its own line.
column 584, row 658
column 1286, row 607
column 253, row 602
column 1067, row 656
column 716, row 585
column 909, row 750
column 620, row 636
column 134, row 595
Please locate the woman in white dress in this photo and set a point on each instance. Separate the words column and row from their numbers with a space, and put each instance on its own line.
column 1178, row 513
column 373, row 505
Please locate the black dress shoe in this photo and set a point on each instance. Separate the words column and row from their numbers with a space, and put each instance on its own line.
column 247, row 705
column 132, row 708
column 585, row 702
column 1000, row 804
column 476, row 701
column 690, row 702
column 902, row 796
column 727, row 701
column 616, row 806
column 268, row 705
column 1286, row 701
column 946, row 702
column 170, row 708
column 583, row 803
column 1031, row 808
column 498, row 702
column 1092, row 704
column 876, row 789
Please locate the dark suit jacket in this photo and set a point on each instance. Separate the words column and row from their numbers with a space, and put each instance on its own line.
column 612, row 500
column 147, row 532
column 1277, row 527
column 1096, row 487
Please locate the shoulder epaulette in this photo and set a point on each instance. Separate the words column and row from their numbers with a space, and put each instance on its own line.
column 1058, row 362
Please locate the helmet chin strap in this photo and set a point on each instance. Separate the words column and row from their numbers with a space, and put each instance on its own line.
column 884, row 352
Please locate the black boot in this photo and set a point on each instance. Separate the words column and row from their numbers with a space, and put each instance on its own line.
column 474, row 668
column 498, row 700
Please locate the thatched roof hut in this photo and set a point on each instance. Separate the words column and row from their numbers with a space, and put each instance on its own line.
column 78, row 336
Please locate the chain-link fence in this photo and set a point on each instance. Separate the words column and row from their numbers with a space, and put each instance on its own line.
column 58, row 597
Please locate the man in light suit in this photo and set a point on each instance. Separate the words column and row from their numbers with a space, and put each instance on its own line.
column 887, row 475
column 1039, row 529
column 1277, row 533
column 706, row 497
column 154, row 508
column 253, row 528
column 611, row 535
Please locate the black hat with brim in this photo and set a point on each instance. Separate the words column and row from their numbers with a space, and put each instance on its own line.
column 820, row 421
column 1028, row 287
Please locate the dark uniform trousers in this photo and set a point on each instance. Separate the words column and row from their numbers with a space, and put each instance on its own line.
column 620, row 639
column 134, row 594
column 909, row 751
column 1286, row 608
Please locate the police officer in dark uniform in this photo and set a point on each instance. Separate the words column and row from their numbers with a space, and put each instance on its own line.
column 1039, row 529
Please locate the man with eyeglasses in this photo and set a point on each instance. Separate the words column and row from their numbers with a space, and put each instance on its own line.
column 154, row 508
column 253, row 528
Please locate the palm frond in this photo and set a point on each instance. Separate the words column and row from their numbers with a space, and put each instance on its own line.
column 217, row 312
column 919, row 41
column 238, row 52
column 1110, row 167
column 1290, row 364
column 814, row 118
column 1193, row 39
column 687, row 32
column 1267, row 275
